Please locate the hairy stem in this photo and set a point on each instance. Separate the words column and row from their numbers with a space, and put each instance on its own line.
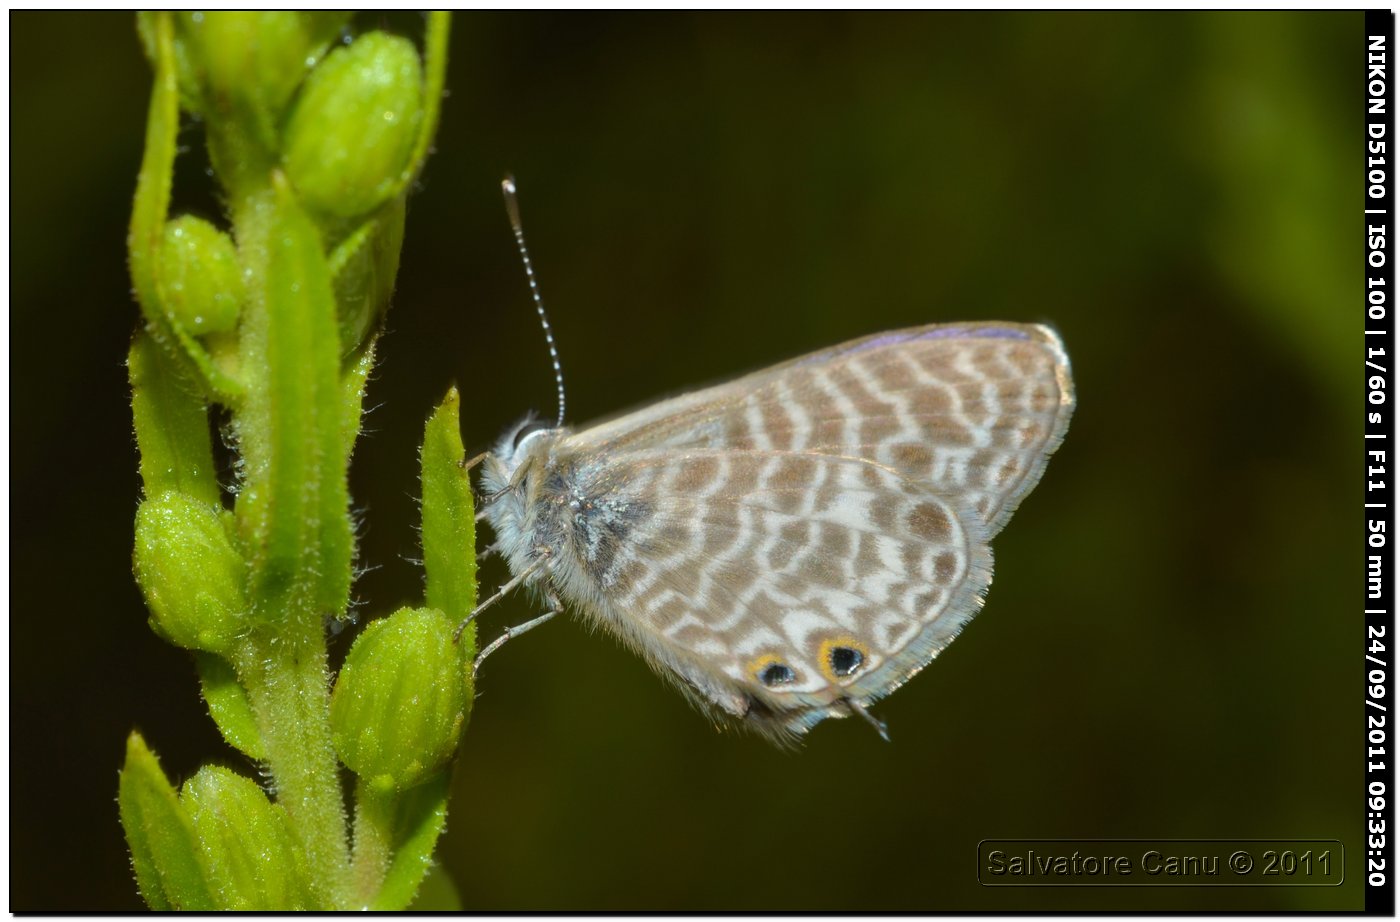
column 287, row 680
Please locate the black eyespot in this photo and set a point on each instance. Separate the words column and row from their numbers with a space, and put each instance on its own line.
column 528, row 429
column 845, row 660
column 776, row 674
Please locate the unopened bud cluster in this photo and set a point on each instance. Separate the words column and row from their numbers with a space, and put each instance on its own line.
column 314, row 135
column 341, row 118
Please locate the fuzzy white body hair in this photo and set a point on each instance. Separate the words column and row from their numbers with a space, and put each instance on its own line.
column 533, row 489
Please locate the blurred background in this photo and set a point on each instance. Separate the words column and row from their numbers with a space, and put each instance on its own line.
column 1170, row 647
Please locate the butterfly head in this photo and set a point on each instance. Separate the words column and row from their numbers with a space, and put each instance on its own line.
column 526, row 441
column 510, row 484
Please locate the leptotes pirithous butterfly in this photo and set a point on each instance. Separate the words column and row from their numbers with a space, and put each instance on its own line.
column 795, row 544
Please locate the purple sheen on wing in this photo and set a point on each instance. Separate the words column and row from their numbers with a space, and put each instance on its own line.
column 973, row 333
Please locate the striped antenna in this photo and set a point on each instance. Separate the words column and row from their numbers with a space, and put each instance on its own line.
column 513, row 211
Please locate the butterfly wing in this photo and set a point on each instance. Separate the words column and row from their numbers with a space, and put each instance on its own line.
column 967, row 410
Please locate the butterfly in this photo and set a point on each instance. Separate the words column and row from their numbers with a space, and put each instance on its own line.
column 795, row 544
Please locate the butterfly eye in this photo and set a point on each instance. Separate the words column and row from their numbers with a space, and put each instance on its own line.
column 527, row 430
column 776, row 674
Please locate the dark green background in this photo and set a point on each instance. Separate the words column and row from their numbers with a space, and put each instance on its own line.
column 1172, row 644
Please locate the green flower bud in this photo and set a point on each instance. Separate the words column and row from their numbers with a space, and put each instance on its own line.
column 352, row 129
column 401, row 700
column 256, row 58
column 190, row 572
column 252, row 858
column 203, row 282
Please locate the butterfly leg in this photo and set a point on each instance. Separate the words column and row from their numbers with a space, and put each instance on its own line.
column 500, row 594
column 859, row 710
column 515, row 481
column 489, row 498
column 556, row 607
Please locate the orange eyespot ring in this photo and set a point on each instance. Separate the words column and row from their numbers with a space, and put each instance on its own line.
column 841, row 657
column 771, row 671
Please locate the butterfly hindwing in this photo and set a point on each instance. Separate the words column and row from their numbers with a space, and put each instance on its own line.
column 777, row 584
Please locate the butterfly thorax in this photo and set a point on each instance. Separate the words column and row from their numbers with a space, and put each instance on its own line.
column 553, row 509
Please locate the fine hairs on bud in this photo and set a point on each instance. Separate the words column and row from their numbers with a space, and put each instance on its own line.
column 513, row 212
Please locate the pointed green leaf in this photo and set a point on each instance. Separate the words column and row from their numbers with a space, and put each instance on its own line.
column 157, row 168
column 437, row 893
column 419, row 817
column 191, row 93
column 294, row 509
column 364, row 266
column 449, row 520
column 228, row 705
column 252, row 857
column 172, row 426
column 434, row 78
column 147, row 229
column 352, row 394
column 171, row 869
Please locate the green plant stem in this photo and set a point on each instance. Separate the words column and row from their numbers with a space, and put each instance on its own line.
column 287, row 679
column 283, row 664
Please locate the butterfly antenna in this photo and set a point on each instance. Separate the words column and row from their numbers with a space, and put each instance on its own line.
column 513, row 211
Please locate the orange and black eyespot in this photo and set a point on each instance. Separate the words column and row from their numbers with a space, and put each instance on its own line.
column 842, row 657
column 772, row 671
column 846, row 660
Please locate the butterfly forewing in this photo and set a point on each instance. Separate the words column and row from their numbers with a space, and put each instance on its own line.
column 968, row 410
